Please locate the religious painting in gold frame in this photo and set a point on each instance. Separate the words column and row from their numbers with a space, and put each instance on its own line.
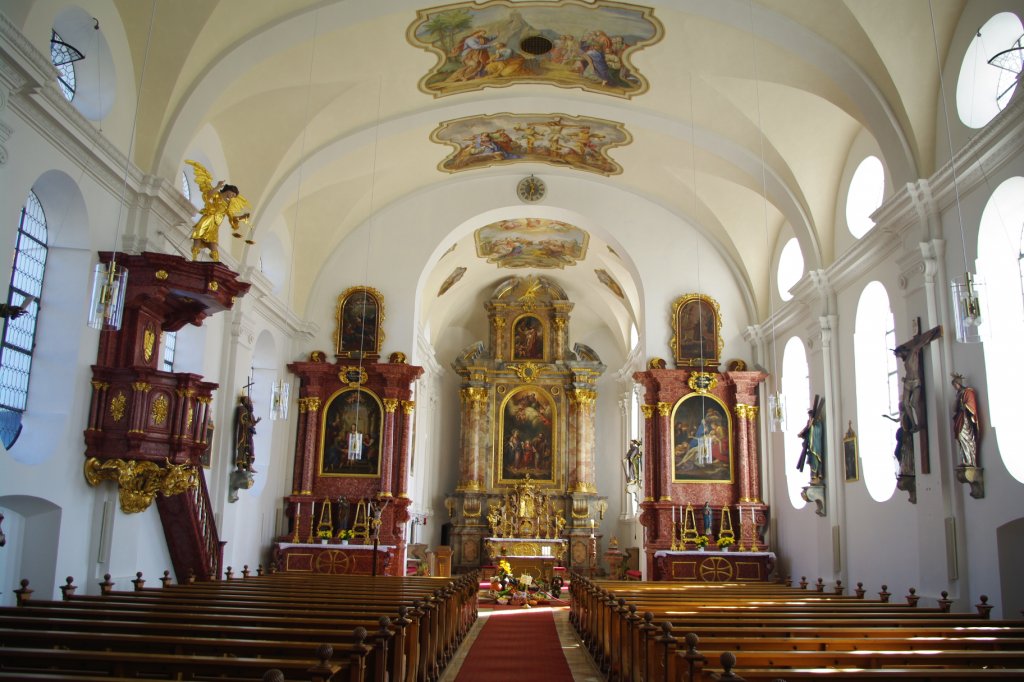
column 850, row 455
column 696, row 331
column 359, row 317
column 701, row 440
column 351, row 431
column 527, row 435
column 529, row 338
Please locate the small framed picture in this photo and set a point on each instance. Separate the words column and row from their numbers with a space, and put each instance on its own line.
column 850, row 454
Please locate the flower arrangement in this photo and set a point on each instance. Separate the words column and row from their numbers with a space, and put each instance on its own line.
column 725, row 541
column 347, row 534
column 701, row 541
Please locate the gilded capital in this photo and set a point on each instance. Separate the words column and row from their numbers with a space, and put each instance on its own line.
column 408, row 406
column 100, row 385
column 475, row 396
column 140, row 386
column 390, row 404
column 664, row 409
column 583, row 396
column 648, row 411
column 499, row 323
column 744, row 411
column 309, row 404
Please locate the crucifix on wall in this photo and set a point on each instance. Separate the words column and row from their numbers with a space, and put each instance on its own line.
column 912, row 403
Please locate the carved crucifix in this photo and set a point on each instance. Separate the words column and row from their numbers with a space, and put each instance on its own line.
column 912, row 397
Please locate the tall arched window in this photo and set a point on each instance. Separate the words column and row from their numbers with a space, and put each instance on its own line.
column 791, row 268
column 872, row 345
column 796, row 387
column 1001, row 260
column 26, row 285
column 867, row 189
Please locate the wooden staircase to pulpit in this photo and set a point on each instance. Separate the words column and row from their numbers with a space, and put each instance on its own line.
column 147, row 429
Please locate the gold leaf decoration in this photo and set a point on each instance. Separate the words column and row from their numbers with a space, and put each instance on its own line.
column 138, row 481
column 117, row 404
column 158, row 411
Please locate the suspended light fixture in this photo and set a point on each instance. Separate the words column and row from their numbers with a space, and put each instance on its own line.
column 110, row 280
column 969, row 303
column 776, row 400
column 280, row 391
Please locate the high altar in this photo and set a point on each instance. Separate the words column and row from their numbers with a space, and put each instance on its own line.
column 351, row 451
column 526, row 462
column 702, row 473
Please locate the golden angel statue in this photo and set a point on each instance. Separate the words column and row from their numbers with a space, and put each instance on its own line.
column 219, row 201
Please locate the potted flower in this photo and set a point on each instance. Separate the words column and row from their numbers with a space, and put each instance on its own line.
column 701, row 542
column 725, row 542
column 346, row 535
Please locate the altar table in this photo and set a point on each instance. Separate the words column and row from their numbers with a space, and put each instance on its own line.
column 714, row 566
column 336, row 559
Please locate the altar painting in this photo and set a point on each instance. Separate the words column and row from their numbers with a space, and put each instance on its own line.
column 579, row 142
column 351, row 434
column 527, row 434
column 701, row 440
column 528, row 338
column 696, row 331
column 531, row 243
column 359, row 317
column 569, row 45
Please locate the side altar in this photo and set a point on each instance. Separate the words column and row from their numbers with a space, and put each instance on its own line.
column 526, row 461
column 702, row 466
column 352, row 448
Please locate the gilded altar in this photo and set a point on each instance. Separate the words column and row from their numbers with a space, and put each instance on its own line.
column 528, row 432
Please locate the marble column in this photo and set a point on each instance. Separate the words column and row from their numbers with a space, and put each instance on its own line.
column 387, row 463
column 405, row 444
column 471, row 464
column 582, row 476
column 664, row 429
column 651, row 458
column 307, row 446
column 742, row 412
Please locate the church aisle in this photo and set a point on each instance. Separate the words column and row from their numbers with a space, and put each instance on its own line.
column 521, row 645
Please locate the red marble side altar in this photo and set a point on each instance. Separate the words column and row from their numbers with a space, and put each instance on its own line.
column 673, row 464
column 388, row 387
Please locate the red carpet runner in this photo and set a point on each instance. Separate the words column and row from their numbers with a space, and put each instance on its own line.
column 516, row 646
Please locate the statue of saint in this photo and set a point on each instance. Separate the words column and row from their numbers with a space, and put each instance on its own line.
column 245, row 432
column 966, row 423
column 813, row 436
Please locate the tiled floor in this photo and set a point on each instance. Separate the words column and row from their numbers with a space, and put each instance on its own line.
column 582, row 666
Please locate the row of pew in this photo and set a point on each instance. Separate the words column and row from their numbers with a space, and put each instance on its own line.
column 773, row 632
column 274, row 627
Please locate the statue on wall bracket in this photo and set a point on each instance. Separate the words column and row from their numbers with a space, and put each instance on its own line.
column 967, row 436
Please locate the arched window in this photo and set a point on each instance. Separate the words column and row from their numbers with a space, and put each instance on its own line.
column 186, row 189
column 791, row 268
column 867, row 188
column 26, row 286
column 64, row 57
column 167, row 361
column 1001, row 260
column 989, row 72
column 877, row 389
column 796, row 387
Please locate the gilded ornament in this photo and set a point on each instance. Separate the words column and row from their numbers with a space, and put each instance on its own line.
column 583, row 396
column 559, row 323
column 213, row 286
column 408, row 406
column 100, row 385
column 702, row 382
column 310, row 404
column 499, row 322
column 161, row 275
column 158, row 411
column 664, row 409
column 141, row 386
column 648, row 411
column 138, row 481
column 117, row 404
column 744, row 411
column 475, row 395
column 148, row 341
column 656, row 363
column 353, row 375
column 397, row 358
column 527, row 371
column 188, row 419
column 205, row 399
column 390, row 404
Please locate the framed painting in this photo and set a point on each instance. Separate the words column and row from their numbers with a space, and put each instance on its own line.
column 701, row 440
column 359, row 316
column 850, row 455
column 350, row 434
column 527, row 433
column 696, row 331
column 528, row 338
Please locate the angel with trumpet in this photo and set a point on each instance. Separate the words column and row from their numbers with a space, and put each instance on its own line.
column 220, row 201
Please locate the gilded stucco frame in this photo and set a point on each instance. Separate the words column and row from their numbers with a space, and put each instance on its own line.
column 326, row 413
column 689, row 401
column 347, row 348
column 687, row 350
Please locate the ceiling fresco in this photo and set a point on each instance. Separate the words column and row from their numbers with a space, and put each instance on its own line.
column 531, row 243
column 579, row 142
column 569, row 45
